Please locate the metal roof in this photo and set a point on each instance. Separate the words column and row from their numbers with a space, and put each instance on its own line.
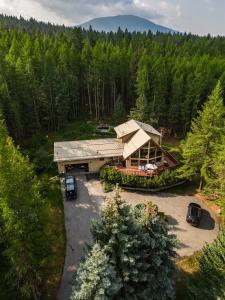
column 87, row 149
column 139, row 139
column 132, row 126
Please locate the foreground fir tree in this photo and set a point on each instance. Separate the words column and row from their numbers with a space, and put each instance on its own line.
column 206, row 134
column 96, row 277
column 23, row 221
column 139, row 252
column 210, row 282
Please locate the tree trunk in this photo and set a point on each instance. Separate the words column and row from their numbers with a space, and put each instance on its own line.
column 201, row 183
column 89, row 100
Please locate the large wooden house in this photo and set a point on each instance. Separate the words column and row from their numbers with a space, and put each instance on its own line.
column 136, row 149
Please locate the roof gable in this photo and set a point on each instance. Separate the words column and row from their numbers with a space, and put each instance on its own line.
column 139, row 139
column 133, row 126
column 126, row 128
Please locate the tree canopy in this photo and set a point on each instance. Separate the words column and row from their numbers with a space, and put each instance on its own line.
column 133, row 252
column 23, row 240
column 51, row 75
column 205, row 137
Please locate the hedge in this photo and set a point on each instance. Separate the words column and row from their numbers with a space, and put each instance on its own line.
column 111, row 175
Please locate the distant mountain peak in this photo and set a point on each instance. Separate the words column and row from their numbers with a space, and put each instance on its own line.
column 129, row 22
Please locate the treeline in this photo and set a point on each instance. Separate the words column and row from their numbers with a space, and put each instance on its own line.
column 49, row 78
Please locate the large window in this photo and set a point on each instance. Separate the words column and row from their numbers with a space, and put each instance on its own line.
column 134, row 163
column 149, row 153
column 144, row 153
column 135, row 154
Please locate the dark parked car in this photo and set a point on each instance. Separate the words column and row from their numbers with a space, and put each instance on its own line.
column 194, row 214
column 70, row 188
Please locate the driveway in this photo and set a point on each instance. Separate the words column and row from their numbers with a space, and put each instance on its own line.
column 190, row 239
column 79, row 213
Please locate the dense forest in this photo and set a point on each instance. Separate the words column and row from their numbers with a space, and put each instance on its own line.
column 53, row 75
column 49, row 77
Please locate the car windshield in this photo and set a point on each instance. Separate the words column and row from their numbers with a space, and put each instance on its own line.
column 69, row 180
column 194, row 211
column 69, row 187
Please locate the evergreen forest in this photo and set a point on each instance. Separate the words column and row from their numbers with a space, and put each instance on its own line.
column 51, row 75
column 58, row 83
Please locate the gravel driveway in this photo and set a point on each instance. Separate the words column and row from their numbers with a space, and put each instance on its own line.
column 78, row 214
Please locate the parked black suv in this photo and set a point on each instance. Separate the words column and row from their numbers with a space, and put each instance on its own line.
column 70, row 188
column 194, row 214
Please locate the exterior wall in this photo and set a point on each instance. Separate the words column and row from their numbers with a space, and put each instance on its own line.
column 94, row 164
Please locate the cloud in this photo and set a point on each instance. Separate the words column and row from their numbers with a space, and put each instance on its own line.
column 71, row 12
column 178, row 10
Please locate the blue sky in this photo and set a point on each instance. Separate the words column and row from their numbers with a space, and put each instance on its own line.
column 196, row 16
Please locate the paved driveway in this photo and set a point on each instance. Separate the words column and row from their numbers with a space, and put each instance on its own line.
column 90, row 198
column 190, row 239
column 78, row 215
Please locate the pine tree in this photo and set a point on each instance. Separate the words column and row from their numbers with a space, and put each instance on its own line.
column 138, row 245
column 216, row 183
column 206, row 133
column 140, row 112
column 23, row 220
column 209, row 282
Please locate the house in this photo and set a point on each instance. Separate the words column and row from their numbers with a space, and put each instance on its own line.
column 135, row 149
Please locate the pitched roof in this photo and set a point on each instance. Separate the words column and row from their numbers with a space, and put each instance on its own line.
column 139, row 139
column 87, row 149
column 132, row 126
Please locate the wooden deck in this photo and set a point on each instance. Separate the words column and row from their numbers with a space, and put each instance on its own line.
column 171, row 164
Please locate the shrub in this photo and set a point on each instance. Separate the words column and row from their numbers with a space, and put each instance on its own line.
column 111, row 175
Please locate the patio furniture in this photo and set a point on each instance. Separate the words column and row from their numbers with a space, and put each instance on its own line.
column 151, row 167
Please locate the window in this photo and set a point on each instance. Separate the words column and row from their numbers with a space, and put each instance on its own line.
column 152, row 151
column 102, row 158
column 158, row 152
column 144, row 153
column 135, row 154
column 134, row 163
column 143, row 162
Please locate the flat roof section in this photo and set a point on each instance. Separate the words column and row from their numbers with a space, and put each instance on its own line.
column 87, row 149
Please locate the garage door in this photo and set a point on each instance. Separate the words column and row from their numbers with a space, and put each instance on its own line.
column 77, row 167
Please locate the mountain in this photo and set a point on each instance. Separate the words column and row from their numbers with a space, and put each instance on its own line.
column 129, row 22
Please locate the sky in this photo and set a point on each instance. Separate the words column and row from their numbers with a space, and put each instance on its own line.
column 196, row 16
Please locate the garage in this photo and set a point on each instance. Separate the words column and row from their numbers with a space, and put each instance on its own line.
column 80, row 167
column 87, row 156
